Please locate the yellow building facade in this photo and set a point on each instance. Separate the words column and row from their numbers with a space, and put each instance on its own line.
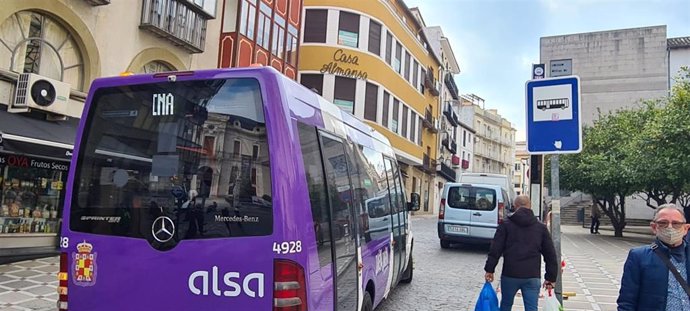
column 371, row 59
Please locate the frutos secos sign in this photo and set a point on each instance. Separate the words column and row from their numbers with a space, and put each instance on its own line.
column 28, row 162
column 341, row 58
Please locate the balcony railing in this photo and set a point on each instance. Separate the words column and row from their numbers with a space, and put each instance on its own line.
column 447, row 172
column 452, row 87
column 455, row 160
column 450, row 114
column 429, row 122
column 428, row 164
column 430, row 82
column 179, row 21
column 465, row 164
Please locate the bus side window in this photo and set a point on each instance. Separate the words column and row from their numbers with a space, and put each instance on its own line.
column 318, row 197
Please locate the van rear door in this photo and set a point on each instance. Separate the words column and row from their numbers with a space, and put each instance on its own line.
column 484, row 216
column 457, row 218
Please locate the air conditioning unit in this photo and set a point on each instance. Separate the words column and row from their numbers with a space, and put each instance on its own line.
column 40, row 93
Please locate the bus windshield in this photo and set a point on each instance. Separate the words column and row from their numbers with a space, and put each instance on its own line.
column 193, row 151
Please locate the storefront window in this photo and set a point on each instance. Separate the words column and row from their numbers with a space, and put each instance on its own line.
column 32, row 194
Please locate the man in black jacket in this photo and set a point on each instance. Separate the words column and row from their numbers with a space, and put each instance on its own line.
column 522, row 240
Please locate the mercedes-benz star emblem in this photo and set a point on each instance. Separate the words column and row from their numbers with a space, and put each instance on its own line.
column 163, row 229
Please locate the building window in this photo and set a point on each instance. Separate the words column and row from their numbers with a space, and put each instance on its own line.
column 396, row 111
column 313, row 82
column 236, row 148
column 464, row 138
column 415, row 72
column 419, row 131
column 389, row 47
column 292, row 35
column 247, row 18
column 413, row 128
column 404, row 121
column 263, row 33
column 345, row 93
column 278, row 36
column 374, row 37
column 398, row 57
column 421, row 81
column 255, row 152
column 517, row 167
column 209, row 145
column 407, row 66
column 348, row 29
column 315, row 23
column 156, row 66
column 386, row 101
column 370, row 102
column 37, row 43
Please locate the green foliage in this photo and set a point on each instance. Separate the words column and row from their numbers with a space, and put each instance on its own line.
column 642, row 150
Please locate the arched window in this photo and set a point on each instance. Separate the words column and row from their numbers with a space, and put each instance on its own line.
column 156, row 66
column 32, row 42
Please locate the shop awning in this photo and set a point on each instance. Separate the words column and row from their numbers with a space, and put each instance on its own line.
column 24, row 134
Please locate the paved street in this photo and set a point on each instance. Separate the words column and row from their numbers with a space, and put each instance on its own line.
column 451, row 279
column 443, row 279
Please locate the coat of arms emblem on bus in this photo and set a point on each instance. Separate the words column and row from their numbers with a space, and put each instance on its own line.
column 84, row 265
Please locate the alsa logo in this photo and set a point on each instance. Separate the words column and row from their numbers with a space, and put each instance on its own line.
column 163, row 104
column 252, row 284
column 381, row 260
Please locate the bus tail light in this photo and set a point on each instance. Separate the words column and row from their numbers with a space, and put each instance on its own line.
column 63, row 277
column 501, row 212
column 290, row 289
column 442, row 209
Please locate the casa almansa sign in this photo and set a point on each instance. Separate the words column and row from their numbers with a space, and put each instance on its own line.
column 339, row 58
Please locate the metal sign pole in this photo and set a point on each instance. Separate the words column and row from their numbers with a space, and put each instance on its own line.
column 556, row 223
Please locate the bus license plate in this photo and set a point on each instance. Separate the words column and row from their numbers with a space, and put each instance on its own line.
column 458, row 229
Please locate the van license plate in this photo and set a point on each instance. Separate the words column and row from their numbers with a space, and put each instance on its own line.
column 457, row 229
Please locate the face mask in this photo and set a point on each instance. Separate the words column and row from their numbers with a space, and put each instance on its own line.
column 670, row 236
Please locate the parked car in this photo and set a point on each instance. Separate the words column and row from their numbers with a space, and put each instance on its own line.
column 471, row 212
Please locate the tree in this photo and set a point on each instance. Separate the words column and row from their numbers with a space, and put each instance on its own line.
column 600, row 168
column 660, row 153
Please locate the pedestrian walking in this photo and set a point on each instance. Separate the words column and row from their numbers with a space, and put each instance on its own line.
column 522, row 241
column 595, row 214
column 655, row 277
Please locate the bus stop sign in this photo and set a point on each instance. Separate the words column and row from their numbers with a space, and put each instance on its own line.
column 554, row 118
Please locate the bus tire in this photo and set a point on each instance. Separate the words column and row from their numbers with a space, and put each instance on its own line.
column 407, row 275
column 367, row 304
column 445, row 244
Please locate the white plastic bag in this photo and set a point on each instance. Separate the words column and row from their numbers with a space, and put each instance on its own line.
column 551, row 302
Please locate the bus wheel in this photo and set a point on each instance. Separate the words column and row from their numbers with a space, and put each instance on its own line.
column 407, row 275
column 367, row 305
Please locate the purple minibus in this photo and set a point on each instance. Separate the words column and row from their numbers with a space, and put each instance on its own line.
column 232, row 189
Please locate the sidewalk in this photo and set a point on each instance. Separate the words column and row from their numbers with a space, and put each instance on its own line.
column 29, row 285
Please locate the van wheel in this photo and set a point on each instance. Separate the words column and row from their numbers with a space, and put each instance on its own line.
column 407, row 275
column 367, row 305
column 445, row 244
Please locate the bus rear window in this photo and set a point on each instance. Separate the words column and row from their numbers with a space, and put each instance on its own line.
column 195, row 152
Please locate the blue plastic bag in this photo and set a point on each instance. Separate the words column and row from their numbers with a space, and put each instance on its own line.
column 487, row 301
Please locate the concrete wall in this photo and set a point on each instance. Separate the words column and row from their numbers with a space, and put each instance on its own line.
column 678, row 58
column 617, row 68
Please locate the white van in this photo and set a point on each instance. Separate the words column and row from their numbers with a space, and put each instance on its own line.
column 491, row 179
column 470, row 213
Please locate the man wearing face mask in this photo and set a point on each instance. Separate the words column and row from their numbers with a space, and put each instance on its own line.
column 655, row 276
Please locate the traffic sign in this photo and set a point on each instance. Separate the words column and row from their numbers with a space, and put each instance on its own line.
column 554, row 123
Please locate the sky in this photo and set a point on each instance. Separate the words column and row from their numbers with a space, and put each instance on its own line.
column 497, row 41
